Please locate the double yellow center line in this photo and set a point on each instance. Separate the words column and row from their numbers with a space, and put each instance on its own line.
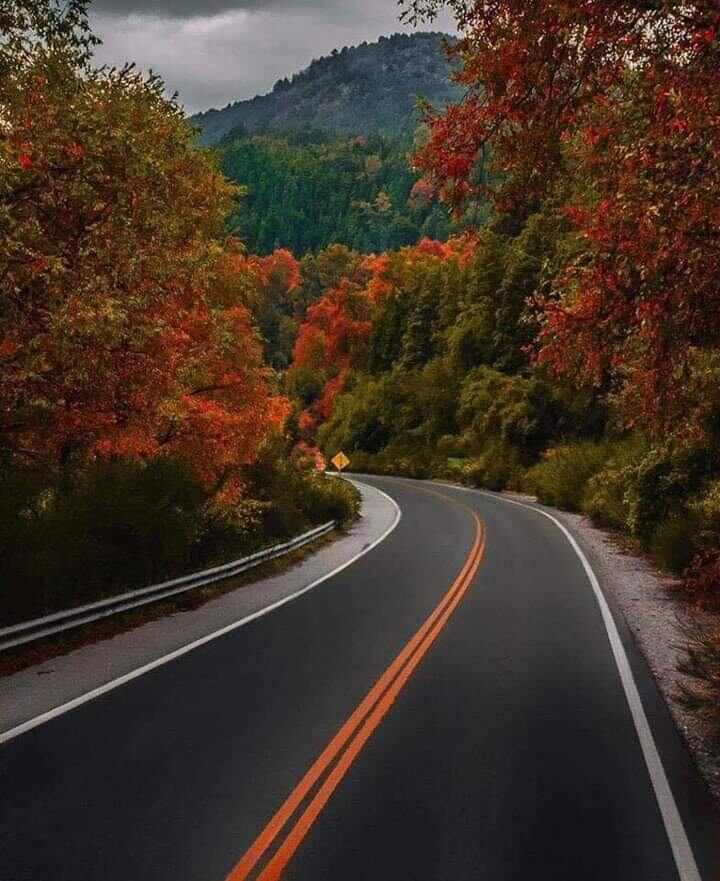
column 346, row 745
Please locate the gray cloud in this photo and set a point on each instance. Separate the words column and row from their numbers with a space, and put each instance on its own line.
column 220, row 51
column 193, row 9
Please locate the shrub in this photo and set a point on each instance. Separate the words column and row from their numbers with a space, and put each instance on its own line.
column 562, row 476
column 674, row 542
column 92, row 531
column 330, row 498
column 497, row 467
column 451, row 446
column 606, row 497
column 400, row 458
column 702, row 664
column 647, row 492
column 706, row 508
column 362, row 463
column 702, row 577
column 295, row 499
column 661, row 484
column 404, row 463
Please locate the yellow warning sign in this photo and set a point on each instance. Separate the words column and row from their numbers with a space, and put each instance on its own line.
column 340, row 461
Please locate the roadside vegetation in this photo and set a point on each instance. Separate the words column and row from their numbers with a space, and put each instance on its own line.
column 141, row 430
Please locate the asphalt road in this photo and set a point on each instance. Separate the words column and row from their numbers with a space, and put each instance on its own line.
column 499, row 747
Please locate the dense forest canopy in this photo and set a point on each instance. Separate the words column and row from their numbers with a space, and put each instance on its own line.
column 306, row 192
column 368, row 89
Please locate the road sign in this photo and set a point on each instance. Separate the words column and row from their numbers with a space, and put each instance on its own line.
column 340, row 461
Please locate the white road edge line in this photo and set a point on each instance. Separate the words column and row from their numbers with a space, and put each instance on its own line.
column 152, row 665
column 679, row 843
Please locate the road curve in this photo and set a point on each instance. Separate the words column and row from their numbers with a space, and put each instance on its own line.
column 497, row 742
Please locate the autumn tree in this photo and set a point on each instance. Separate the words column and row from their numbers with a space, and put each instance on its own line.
column 610, row 111
column 276, row 306
column 124, row 328
column 326, row 269
column 384, row 312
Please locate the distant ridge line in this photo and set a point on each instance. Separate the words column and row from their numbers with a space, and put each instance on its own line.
column 368, row 89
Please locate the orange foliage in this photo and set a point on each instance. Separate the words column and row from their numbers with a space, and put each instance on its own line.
column 125, row 330
column 324, row 405
column 307, row 423
column 307, row 457
column 609, row 109
column 280, row 267
column 431, row 248
column 337, row 327
column 464, row 247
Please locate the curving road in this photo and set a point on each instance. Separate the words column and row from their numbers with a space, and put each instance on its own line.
column 450, row 707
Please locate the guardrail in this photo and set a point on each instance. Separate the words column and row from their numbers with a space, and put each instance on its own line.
column 29, row 631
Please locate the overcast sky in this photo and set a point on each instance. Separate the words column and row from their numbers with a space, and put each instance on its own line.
column 218, row 51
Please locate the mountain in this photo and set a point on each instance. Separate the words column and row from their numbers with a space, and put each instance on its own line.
column 370, row 89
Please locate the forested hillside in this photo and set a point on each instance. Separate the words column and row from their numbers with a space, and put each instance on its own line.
column 363, row 90
column 307, row 192
column 418, row 361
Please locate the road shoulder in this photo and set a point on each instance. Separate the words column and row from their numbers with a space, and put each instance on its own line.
column 651, row 619
column 655, row 617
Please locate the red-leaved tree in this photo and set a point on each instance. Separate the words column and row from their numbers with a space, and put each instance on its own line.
column 124, row 327
column 610, row 109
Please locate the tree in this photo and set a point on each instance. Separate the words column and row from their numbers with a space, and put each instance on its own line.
column 384, row 314
column 417, row 343
column 275, row 302
column 611, row 111
column 310, row 195
column 326, row 269
column 123, row 323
